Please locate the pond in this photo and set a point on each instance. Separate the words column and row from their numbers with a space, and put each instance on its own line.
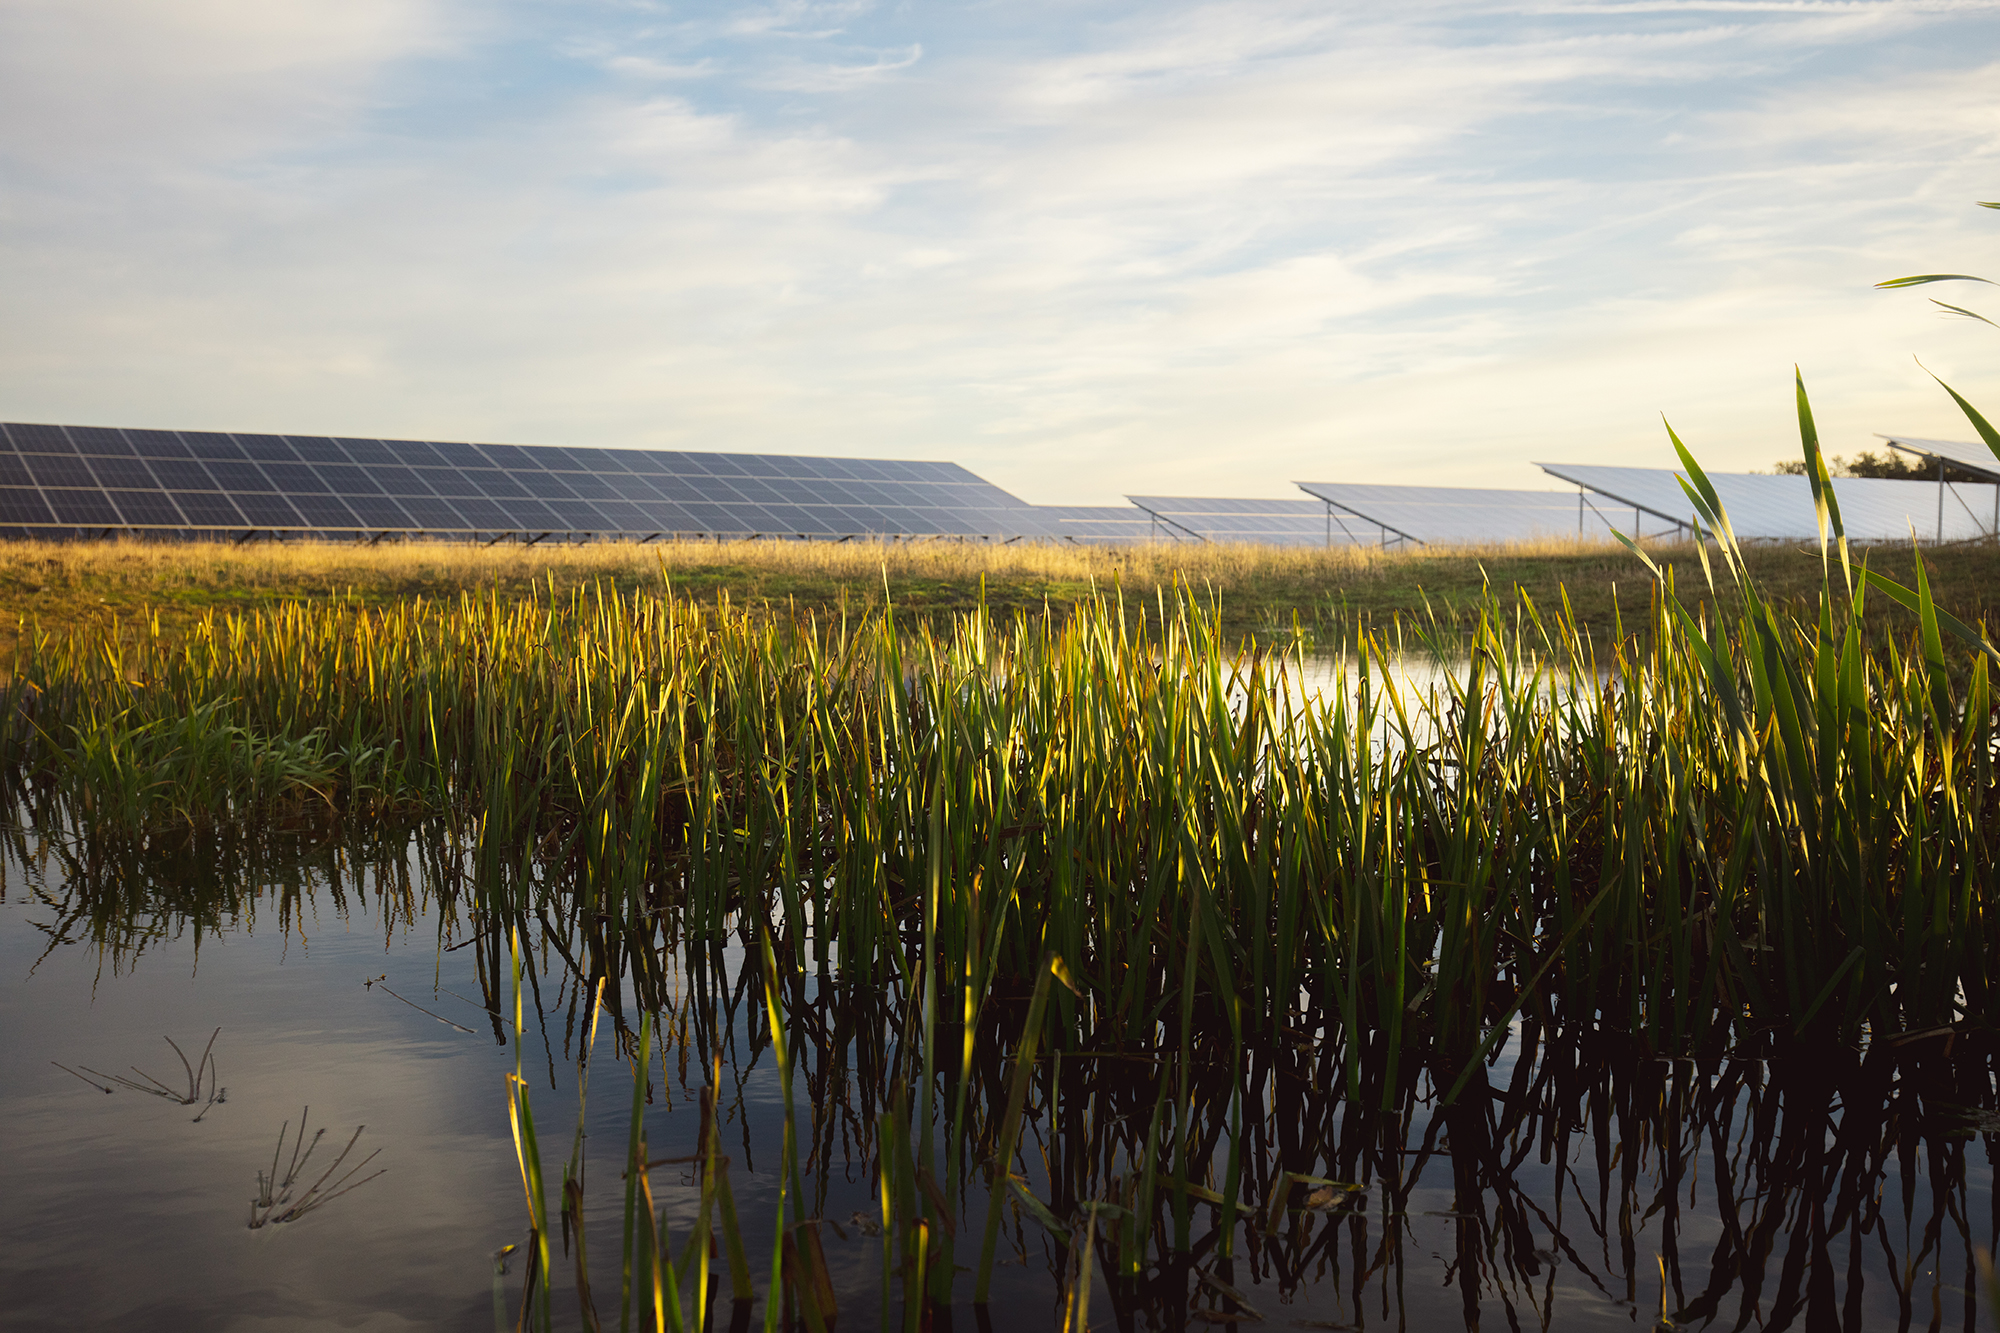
column 352, row 982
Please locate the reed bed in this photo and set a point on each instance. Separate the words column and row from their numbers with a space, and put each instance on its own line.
column 1118, row 835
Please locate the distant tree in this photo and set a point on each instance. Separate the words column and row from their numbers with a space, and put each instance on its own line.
column 1888, row 465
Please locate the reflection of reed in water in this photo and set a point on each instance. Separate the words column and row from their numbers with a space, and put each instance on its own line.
column 150, row 1085
column 1781, row 1185
column 279, row 1199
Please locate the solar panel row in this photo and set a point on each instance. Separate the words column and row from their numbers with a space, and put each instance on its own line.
column 1267, row 522
column 1780, row 508
column 1447, row 514
column 97, row 477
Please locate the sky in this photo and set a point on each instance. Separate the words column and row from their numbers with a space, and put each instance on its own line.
column 1084, row 248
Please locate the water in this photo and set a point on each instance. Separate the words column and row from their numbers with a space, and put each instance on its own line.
column 1807, row 1190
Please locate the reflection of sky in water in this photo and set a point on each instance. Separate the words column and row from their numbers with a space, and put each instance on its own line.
column 122, row 1212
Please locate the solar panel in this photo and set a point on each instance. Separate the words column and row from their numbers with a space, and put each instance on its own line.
column 1266, row 522
column 158, row 444
column 182, row 474
column 208, row 509
column 267, row 511
column 266, row 448
column 82, row 508
column 1442, row 515
column 59, row 470
column 100, row 440
column 40, row 439
column 1098, row 524
column 209, row 444
column 20, row 505
column 380, row 512
column 211, row 481
column 1780, row 508
column 129, row 473
column 1973, row 458
column 147, row 509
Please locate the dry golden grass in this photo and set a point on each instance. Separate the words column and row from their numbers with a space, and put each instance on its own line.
column 1261, row 588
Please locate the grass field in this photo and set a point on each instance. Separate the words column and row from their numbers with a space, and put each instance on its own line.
column 1261, row 589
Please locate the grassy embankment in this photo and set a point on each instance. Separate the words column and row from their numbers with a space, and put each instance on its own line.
column 79, row 585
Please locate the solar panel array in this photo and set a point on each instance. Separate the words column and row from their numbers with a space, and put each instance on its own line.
column 78, row 479
column 1101, row 524
column 1268, row 522
column 1780, row 508
column 1974, row 458
column 1434, row 515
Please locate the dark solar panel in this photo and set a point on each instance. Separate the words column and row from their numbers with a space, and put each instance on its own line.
column 207, row 509
column 240, row 475
column 378, row 511
column 666, row 517
column 499, row 485
column 756, row 490
column 127, row 473
column 147, row 509
column 293, row 478
column 413, row 453
column 431, row 513
column 578, row 516
column 40, row 439
column 533, row 516
column 591, row 460
column 182, row 474
column 632, row 487
column 590, row 486
column 266, row 448
column 707, row 517
column 447, row 481
column 368, row 451
column 324, row 511
column 59, row 470
column 507, row 456
column 84, row 507
column 209, row 444
column 19, row 505
column 317, row 449
column 484, row 514
column 213, row 481
column 545, row 486
column 100, row 440
column 811, row 468
column 157, row 444
column 347, row 479
column 458, row 455
column 398, row 481
column 267, row 511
